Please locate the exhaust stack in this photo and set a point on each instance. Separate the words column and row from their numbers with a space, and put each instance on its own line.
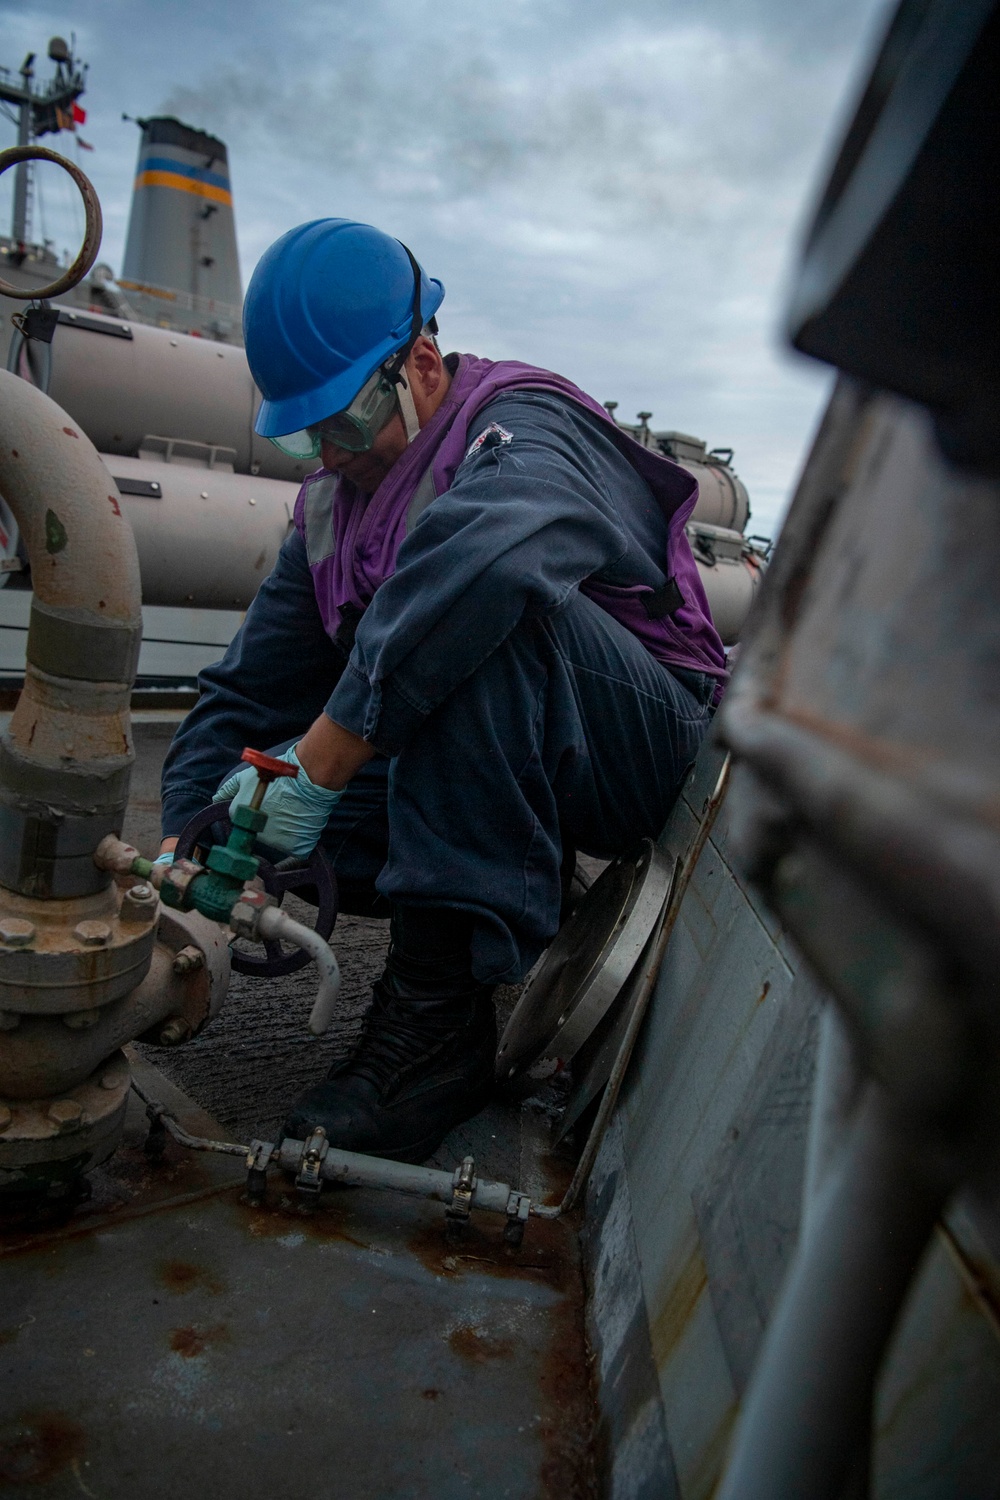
column 181, row 267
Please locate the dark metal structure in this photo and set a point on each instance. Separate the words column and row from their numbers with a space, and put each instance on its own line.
column 865, row 725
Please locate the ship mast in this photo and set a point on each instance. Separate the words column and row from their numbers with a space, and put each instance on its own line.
column 40, row 112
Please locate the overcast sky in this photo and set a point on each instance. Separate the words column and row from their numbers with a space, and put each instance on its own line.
column 612, row 190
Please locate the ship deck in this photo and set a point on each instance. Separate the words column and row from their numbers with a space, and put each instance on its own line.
column 171, row 1338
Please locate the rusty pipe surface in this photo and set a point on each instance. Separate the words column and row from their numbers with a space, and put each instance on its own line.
column 66, row 758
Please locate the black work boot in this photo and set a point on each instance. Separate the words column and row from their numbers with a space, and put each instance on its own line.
column 426, row 1055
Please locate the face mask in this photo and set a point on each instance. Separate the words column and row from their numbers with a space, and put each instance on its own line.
column 354, row 429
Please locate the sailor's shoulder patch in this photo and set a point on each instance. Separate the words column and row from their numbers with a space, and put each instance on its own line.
column 493, row 436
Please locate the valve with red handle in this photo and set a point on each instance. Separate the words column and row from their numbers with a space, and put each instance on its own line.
column 311, row 877
column 218, row 884
column 268, row 769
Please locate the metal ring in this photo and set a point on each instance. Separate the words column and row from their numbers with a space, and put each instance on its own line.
column 92, row 233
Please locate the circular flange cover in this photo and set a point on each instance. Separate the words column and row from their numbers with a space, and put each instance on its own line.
column 587, row 964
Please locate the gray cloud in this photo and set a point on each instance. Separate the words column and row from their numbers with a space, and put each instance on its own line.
column 680, row 116
column 612, row 190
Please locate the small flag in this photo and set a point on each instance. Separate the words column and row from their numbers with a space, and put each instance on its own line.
column 79, row 115
column 64, row 120
column 85, row 144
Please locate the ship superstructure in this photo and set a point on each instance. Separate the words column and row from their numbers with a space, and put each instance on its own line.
column 151, row 365
column 181, row 263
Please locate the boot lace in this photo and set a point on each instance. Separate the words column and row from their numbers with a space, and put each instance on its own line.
column 390, row 1045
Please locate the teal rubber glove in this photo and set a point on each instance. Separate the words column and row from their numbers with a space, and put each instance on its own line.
column 166, row 858
column 297, row 809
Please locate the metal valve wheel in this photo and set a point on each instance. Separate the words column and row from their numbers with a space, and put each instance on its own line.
column 278, row 879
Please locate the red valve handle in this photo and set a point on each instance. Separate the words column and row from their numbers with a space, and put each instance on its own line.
column 267, row 767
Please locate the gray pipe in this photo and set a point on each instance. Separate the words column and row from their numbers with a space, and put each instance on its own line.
column 807, row 1412
column 837, row 1091
column 66, row 757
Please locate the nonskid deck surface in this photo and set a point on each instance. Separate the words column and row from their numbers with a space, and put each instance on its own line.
column 171, row 1339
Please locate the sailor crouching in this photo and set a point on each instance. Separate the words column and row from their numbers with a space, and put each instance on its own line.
column 484, row 641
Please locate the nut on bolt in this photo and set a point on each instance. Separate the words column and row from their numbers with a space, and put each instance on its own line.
column 188, row 960
column 176, row 1030
column 16, row 932
column 178, row 878
column 139, row 903
column 66, row 1114
column 245, row 914
column 93, row 934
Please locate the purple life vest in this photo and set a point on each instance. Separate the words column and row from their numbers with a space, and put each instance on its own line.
column 352, row 539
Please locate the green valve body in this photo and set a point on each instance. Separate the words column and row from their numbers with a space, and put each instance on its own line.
column 228, row 867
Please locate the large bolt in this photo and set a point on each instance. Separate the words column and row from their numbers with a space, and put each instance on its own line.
column 139, row 904
column 93, row 934
column 188, row 960
column 66, row 1114
column 6, row 1115
column 15, row 932
column 176, row 1030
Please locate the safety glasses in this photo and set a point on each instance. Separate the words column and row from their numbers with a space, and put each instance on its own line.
column 354, row 429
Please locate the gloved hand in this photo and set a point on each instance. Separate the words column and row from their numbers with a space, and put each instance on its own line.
column 297, row 809
column 166, row 858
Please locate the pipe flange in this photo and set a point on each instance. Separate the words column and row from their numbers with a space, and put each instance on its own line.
column 46, row 1143
column 79, row 955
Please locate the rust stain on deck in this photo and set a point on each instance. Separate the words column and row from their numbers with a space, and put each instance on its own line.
column 568, row 1391
column 38, row 1446
column 272, row 1220
column 547, row 1253
column 181, row 1276
column 190, row 1342
column 477, row 1345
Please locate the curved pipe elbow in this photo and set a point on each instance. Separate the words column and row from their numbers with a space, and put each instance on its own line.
column 81, row 547
column 66, row 756
column 86, row 614
column 276, row 924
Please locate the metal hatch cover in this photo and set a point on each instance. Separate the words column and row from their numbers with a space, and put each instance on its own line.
column 587, row 965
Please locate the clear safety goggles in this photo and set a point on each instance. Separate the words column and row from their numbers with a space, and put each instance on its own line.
column 354, row 429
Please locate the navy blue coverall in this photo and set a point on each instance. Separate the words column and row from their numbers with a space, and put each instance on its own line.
column 512, row 715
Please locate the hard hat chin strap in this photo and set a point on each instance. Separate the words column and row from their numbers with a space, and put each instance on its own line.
column 394, row 368
column 409, row 412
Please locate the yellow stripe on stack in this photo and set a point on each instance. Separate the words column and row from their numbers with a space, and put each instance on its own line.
column 185, row 185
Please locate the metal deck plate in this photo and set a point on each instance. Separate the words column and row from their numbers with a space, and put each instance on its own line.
column 589, row 961
column 174, row 1341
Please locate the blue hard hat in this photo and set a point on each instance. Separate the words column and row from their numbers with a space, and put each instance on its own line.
column 328, row 304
